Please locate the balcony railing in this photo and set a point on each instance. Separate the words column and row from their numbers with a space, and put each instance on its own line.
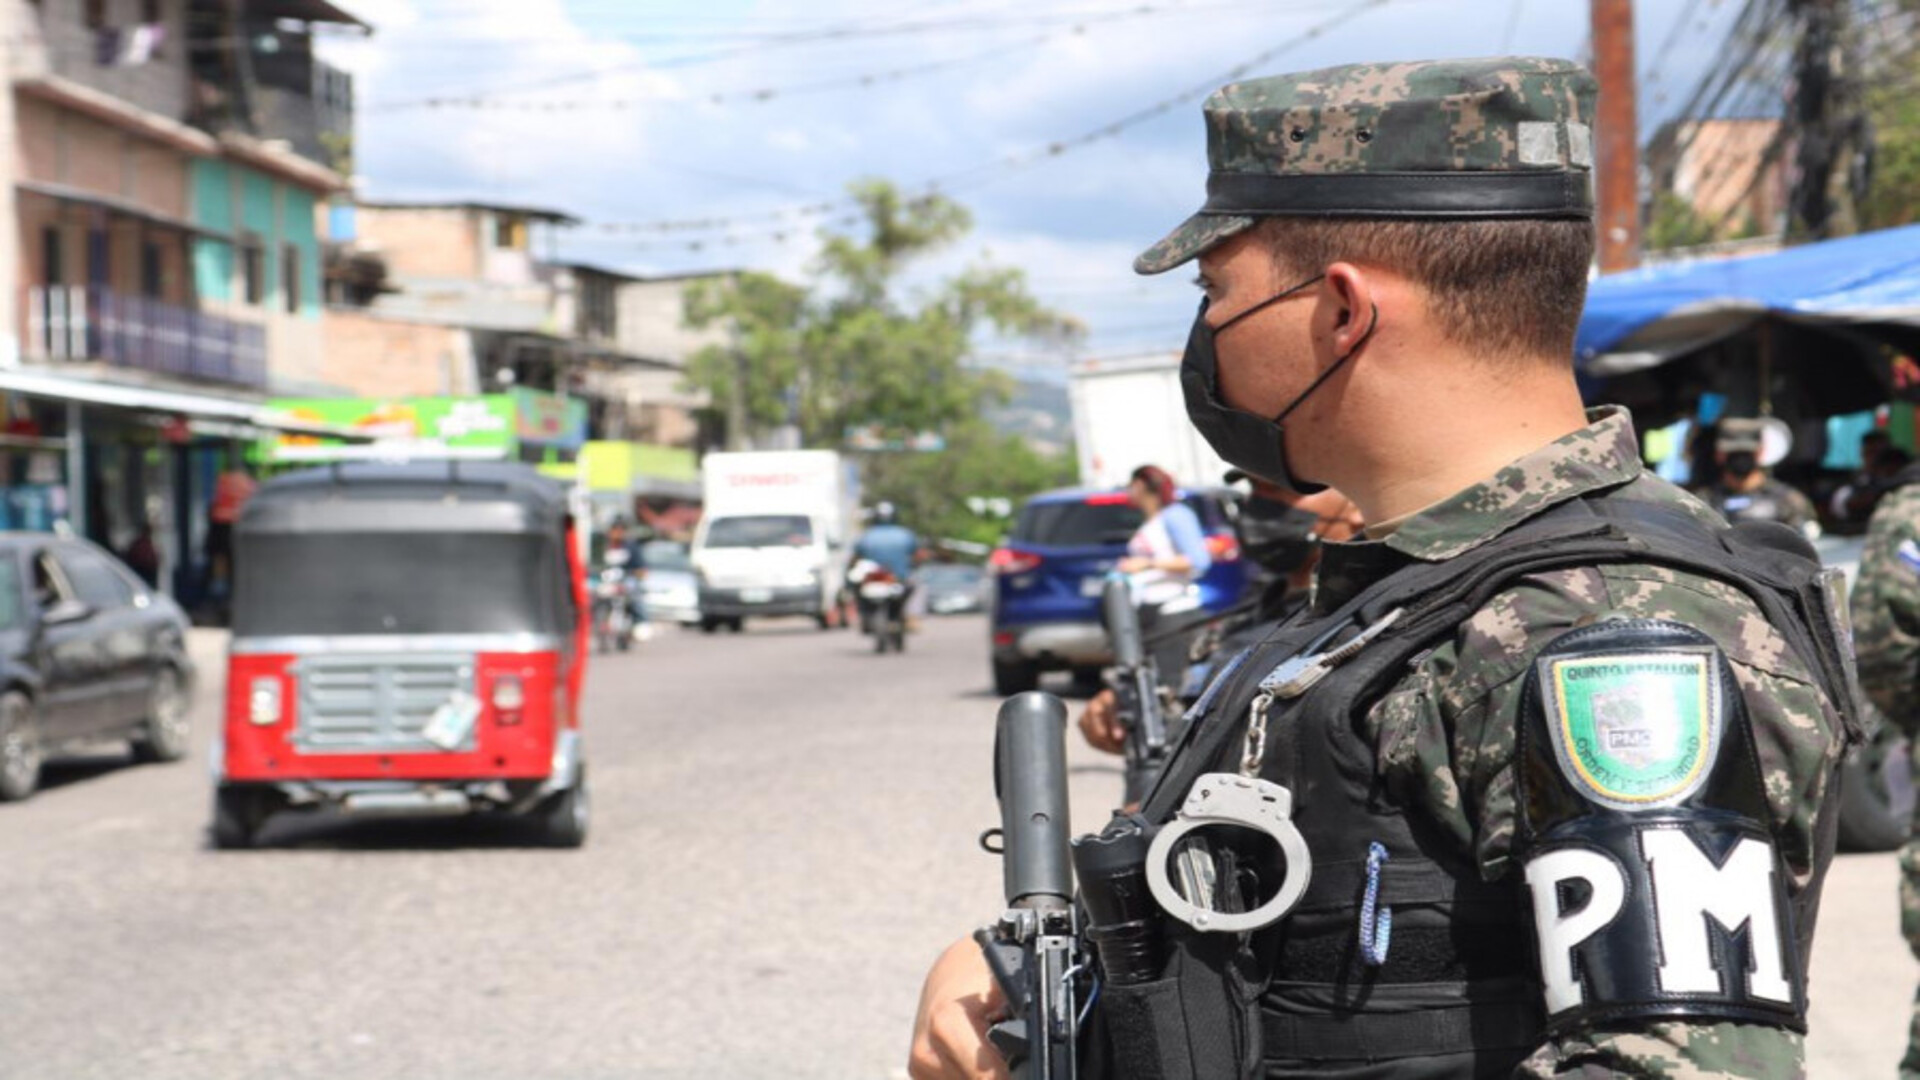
column 90, row 322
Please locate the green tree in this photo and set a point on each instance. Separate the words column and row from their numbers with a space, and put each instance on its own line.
column 853, row 352
column 1892, row 56
column 931, row 489
column 1674, row 223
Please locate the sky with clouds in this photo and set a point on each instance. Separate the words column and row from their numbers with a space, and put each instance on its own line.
column 739, row 121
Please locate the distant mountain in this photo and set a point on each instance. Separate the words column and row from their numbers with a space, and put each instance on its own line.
column 1038, row 412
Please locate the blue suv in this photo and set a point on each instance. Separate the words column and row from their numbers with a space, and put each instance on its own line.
column 1048, row 574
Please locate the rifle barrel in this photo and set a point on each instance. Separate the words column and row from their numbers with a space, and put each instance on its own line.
column 1123, row 623
column 1030, row 775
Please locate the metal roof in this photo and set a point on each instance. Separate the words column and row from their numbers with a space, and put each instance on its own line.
column 538, row 213
column 415, row 496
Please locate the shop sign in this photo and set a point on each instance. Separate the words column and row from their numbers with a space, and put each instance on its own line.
column 545, row 419
column 418, row 426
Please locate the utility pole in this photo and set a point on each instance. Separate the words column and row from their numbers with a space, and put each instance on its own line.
column 1827, row 117
column 1617, row 135
column 10, row 49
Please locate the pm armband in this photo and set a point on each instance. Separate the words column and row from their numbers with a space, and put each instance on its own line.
column 1656, row 891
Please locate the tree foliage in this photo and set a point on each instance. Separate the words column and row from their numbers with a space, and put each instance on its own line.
column 855, row 353
column 1893, row 110
column 930, row 490
column 1674, row 223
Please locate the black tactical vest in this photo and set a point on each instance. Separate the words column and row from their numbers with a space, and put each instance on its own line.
column 1458, row 993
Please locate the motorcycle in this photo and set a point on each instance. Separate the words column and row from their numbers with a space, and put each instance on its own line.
column 613, row 602
column 883, row 601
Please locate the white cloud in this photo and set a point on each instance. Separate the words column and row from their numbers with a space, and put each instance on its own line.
column 791, row 139
column 676, row 153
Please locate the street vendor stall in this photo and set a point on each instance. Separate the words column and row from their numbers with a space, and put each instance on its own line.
column 1803, row 333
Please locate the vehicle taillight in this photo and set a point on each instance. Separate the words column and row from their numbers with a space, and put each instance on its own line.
column 266, row 700
column 1223, row 547
column 509, row 699
column 1009, row 561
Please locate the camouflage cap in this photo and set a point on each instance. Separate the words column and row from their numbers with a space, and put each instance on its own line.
column 1507, row 137
column 1739, row 433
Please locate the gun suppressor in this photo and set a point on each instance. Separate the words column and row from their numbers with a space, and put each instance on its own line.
column 1030, row 776
column 1123, row 922
column 1123, row 623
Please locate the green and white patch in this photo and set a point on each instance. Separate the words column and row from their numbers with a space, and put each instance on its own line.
column 1634, row 730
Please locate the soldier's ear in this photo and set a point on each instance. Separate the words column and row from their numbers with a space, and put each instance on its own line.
column 1349, row 305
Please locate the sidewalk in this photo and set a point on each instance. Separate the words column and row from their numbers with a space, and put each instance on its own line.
column 207, row 648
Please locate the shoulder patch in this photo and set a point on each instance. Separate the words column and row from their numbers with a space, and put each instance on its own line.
column 1909, row 552
column 1636, row 730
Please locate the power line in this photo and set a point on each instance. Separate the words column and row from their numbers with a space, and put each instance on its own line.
column 1513, row 24
column 849, row 31
column 1652, row 72
column 987, row 172
column 865, row 80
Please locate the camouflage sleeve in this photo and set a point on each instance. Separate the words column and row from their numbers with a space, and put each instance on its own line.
column 1886, row 608
column 1673, row 1052
column 1444, row 740
column 1800, row 509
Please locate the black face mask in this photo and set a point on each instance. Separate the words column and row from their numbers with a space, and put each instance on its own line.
column 1247, row 441
column 1280, row 538
column 1742, row 463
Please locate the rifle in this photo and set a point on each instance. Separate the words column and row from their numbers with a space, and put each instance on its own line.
column 1135, row 681
column 1034, row 949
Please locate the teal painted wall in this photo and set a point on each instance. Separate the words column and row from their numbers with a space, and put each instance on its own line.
column 231, row 199
column 257, row 216
column 212, row 208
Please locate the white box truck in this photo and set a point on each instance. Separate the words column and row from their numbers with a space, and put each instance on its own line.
column 1129, row 412
column 773, row 535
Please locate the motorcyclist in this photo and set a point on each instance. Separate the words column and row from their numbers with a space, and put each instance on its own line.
column 889, row 545
column 619, row 539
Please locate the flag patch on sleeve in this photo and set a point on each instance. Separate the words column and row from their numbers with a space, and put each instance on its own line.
column 1909, row 552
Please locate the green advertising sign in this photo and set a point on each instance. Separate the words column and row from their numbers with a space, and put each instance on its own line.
column 478, row 427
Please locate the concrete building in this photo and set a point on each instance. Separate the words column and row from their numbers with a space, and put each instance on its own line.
column 1719, row 168
column 465, row 281
column 160, row 268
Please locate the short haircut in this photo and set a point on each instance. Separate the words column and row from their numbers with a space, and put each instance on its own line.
column 1508, row 288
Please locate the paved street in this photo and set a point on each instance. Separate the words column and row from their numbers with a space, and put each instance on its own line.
column 784, row 836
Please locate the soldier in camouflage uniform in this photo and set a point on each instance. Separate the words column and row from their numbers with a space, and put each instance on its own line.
column 1886, row 622
column 1407, row 245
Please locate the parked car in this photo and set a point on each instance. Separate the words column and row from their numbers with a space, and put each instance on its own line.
column 1048, row 574
column 88, row 655
column 954, row 588
column 669, row 592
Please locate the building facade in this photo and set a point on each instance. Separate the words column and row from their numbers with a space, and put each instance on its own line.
column 160, row 255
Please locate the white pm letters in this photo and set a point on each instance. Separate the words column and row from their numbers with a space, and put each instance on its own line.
column 1559, row 932
column 1688, row 889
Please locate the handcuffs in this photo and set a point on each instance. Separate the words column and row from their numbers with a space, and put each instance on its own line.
column 1245, row 800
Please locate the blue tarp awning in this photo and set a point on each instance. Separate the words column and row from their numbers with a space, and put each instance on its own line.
column 1641, row 318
